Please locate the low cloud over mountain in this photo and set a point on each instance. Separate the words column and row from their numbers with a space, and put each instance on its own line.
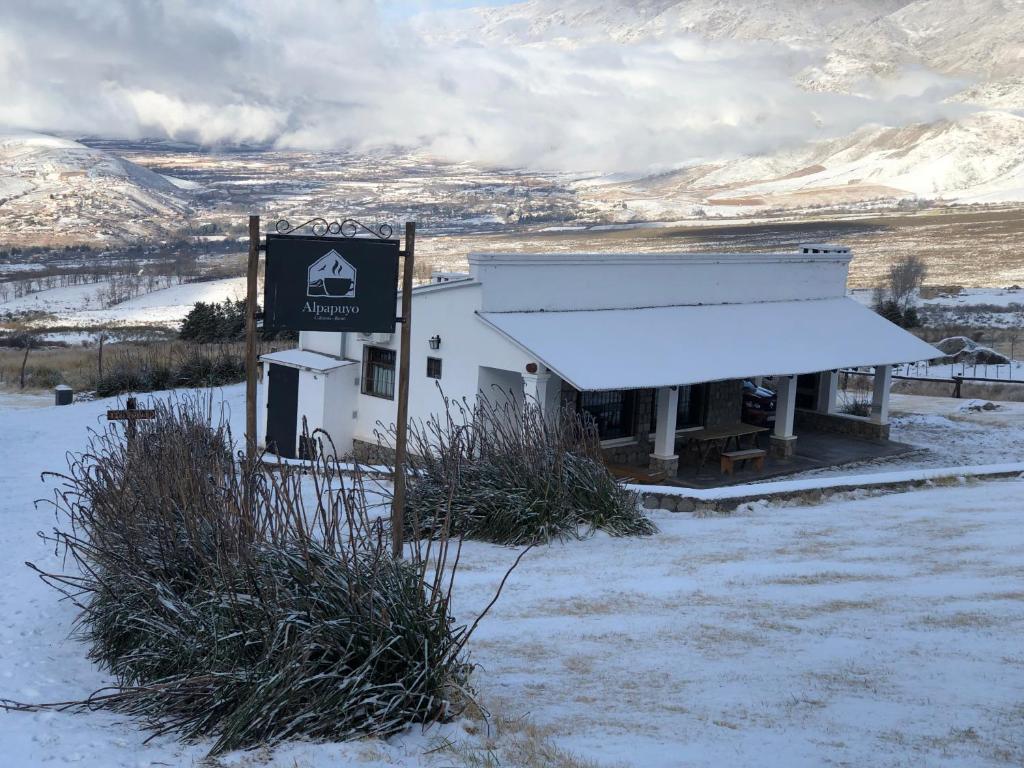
column 597, row 85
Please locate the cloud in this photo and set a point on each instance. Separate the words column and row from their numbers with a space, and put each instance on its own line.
column 340, row 74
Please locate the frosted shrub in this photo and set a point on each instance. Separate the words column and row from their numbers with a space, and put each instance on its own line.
column 228, row 604
column 500, row 471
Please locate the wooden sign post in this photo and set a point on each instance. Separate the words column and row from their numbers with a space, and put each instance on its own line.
column 130, row 414
column 334, row 281
column 251, row 275
column 402, row 422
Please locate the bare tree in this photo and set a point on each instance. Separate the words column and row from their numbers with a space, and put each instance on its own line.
column 27, row 341
column 904, row 278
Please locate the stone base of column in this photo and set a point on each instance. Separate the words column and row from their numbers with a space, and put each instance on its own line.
column 667, row 464
column 782, row 447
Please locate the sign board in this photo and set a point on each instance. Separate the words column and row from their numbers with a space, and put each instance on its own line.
column 131, row 414
column 335, row 284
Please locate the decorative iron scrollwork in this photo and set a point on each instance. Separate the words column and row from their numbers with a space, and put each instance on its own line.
column 321, row 227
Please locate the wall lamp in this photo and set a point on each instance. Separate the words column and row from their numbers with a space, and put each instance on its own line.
column 435, row 342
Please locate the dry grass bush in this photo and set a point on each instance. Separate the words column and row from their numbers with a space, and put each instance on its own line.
column 148, row 369
column 126, row 367
column 500, row 471
column 247, row 606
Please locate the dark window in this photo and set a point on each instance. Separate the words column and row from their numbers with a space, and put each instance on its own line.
column 807, row 390
column 612, row 411
column 690, row 412
column 434, row 367
column 379, row 372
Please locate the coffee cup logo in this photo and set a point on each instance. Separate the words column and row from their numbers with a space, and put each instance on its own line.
column 331, row 277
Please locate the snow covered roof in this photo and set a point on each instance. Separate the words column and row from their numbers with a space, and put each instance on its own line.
column 665, row 346
column 303, row 358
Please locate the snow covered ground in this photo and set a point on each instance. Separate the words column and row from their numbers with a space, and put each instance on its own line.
column 80, row 305
column 976, row 307
column 879, row 631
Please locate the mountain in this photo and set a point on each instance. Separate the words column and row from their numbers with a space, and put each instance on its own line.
column 976, row 159
column 972, row 38
column 54, row 190
column 793, row 22
column 865, row 48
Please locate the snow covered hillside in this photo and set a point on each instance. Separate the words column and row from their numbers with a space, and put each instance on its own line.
column 876, row 631
column 79, row 306
column 977, row 159
column 49, row 184
column 948, row 51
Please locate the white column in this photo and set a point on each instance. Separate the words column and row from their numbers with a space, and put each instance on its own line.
column 535, row 388
column 785, row 409
column 783, row 441
column 880, row 394
column 665, row 429
column 828, row 388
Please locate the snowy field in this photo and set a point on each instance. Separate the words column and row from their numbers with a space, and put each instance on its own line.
column 878, row 631
column 976, row 307
column 80, row 306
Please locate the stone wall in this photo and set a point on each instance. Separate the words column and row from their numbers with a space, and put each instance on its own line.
column 644, row 404
column 841, row 424
column 724, row 403
column 372, row 453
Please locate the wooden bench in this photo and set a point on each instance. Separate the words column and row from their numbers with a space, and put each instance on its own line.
column 731, row 458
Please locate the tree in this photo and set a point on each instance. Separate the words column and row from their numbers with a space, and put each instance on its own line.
column 894, row 300
column 26, row 341
column 904, row 279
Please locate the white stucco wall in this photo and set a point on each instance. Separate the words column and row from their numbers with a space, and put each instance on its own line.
column 311, row 402
column 261, row 403
column 467, row 343
column 332, row 344
column 571, row 281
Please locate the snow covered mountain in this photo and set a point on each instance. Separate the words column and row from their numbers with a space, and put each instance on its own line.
column 864, row 48
column 973, row 38
column 50, row 185
column 976, row 159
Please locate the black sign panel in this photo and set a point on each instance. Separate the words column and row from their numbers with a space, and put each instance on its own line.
column 330, row 284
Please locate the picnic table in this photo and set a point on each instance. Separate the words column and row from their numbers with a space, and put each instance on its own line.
column 706, row 440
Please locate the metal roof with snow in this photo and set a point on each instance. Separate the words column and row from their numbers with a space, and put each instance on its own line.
column 677, row 345
column 304, row 358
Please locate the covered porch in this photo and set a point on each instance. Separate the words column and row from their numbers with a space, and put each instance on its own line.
column 666, row 385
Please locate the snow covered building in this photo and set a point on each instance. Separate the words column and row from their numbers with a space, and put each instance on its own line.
column 655, row 346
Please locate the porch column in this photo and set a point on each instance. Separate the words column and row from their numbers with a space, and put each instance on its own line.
column 828, row 388
column 783, row 441
column 665, row 457
column 536, row 389
column 880, row 394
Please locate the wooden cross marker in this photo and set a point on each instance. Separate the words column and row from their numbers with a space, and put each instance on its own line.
column 130, row 414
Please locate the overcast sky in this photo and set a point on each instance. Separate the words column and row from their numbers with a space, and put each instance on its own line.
column 354, row 74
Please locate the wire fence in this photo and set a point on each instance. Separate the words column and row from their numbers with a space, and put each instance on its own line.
column 956, row 375
column 1004, row 372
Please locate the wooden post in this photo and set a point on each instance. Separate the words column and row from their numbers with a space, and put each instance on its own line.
column 250, row 337
column 402, row 424
column 99, row 361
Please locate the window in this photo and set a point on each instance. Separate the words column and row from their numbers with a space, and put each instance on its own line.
column 379, row 372
column 690, row 412
column 434, row 367
column 612, row 411
column 689, row 409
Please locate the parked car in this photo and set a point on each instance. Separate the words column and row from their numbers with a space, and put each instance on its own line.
column 758, row 405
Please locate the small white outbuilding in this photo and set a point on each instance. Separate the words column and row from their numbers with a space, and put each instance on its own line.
column 652, row 345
